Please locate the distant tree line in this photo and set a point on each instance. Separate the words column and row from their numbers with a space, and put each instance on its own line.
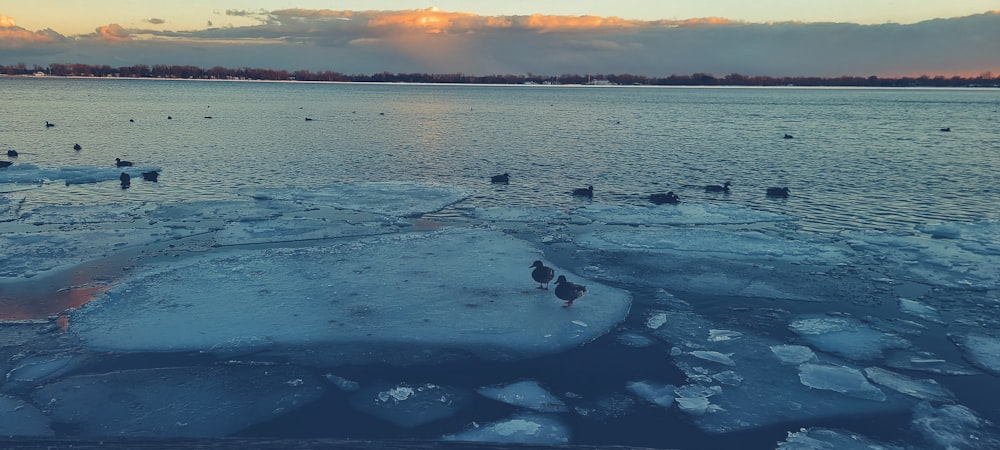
column 697, row 79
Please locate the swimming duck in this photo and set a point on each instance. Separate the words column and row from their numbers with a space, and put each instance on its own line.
column 777, row 192
column 152, row 175
column 12, row 153
column 76, row 147
column 946, row 129
column 788, row 136
column 669, row 197
column 568, row 291
column 126, row 180
column 502, row 178
column 5, row 164
column 717, row 188
column 588, row 192
column 543, row 275
column 120, row 163
column 49, row 125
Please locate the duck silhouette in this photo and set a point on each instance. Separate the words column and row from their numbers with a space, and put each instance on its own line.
column 12, row 153
column 502, row 178
column 5, row 164
column 76, row 147
column 152, row 175
column 543, row 275
column 588, row 192
column 788, row 136
column 568, row 291
column 125, row 179
column 49, row 124
column 669, row 197
column 122, row 163
column 777, row 192
column 717, row 188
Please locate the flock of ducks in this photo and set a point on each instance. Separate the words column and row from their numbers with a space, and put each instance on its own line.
column 125, row 179
column 565, row 289
column 659, row 198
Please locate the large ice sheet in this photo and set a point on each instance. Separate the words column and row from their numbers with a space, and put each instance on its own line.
column 177, row 401
column 982, row 350
column 403, row 298
column 403, row 199
column 827, row 439
column 30, row 173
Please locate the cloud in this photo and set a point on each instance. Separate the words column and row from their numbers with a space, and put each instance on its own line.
column 430, row 40
column 156, row 21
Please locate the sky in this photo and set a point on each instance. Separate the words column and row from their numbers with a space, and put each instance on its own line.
column 826, row 38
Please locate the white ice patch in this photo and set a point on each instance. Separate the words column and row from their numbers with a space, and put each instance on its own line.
column 713, row 356
column 177, row 401
column 826, row 439
column 466, row 290
column 920, row 310
column 30, row 173
column 537, row 429
column 793, row 354
column 923, row 389
column 35, row 370
column 402, row 199
column 847, row 337
column 682, row 214
column 526, row 394
column 842, row 379
column 954, row 427
column 18, row 418
column 410, row 405
column 981, row 350
column 655, row 393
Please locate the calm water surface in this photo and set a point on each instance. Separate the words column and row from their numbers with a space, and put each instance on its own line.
column 860, row 159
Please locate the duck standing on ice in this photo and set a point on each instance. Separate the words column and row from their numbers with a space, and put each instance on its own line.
column 543, row 275
column 568, row 291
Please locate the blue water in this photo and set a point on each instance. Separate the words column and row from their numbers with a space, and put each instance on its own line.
column 860, row 159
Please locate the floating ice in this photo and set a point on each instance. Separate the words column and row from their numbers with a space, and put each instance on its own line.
column 826, row 439
column 526, row 215
column 926, row 362
column 521, row 429
column 718, row 243
column 177, row 401
column 526, row 394
column 682, row 214
column 846, row 336
column 920, row 310
column 924, row 389
column 27, row 255
column 713, row 356
column 954, row 427
column 793, row 354
column 658, row 394
column 464, row 290
column 37, row 369
column 30, row 173
column 18, row 418
column 982, row 350
column 656, row 320
column 343, row 383
column 842, row 379
column 635, row 340
column 297, row 229
column 409, row 405
column 403, row 199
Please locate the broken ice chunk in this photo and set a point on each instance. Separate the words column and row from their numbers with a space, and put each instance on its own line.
column 845, row 380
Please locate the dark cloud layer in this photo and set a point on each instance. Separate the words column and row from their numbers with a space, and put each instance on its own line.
column 443, row 42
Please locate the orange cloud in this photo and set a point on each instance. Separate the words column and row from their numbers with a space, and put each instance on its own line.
column 113, row 32
column 7, row 22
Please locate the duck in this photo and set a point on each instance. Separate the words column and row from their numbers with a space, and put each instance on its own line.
column 669, row 197
column 581, row 192
column 502, row 178
column 308, row 119
column 543, row 275
column 120, row 163
column 12, row 153
column 717, row 188
column 788, row 136
column 126, row 180
column 76, row 147
column 152, row 175
column 777, row 192
column 5, row 164
column 947, row 129
column 49, row 124
column 568, row 291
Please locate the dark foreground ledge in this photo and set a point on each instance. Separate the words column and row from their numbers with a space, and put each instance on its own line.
column 283, row 444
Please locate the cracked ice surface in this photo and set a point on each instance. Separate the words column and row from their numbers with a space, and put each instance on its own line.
column 463, row 290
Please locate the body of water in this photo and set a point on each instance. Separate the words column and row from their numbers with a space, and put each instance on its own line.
column 884, row 255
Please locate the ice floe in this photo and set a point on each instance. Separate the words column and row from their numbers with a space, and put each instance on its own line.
column 409, row 405
column 954, row 427
column 827, row 439
column 682, row 214
column 655, row 393
column 980, row 349
column 30, row 173
column 455, row 290
column 403, row 199
column 793, row 354
column 923, row 389
column 846, row 336
column 536, row 429
column 842, row 379
column 527, row 394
